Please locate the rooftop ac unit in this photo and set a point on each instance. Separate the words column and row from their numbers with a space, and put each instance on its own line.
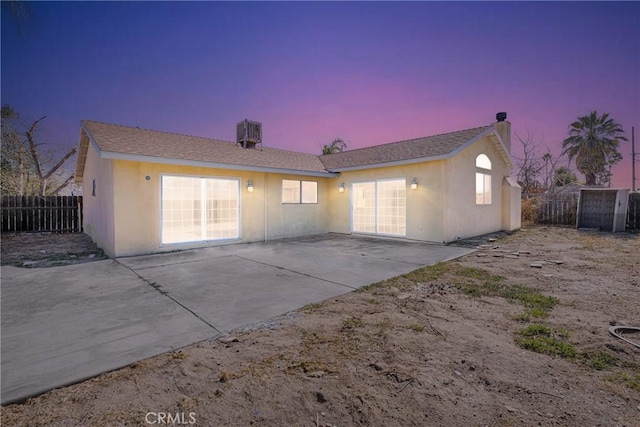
column 249, row 133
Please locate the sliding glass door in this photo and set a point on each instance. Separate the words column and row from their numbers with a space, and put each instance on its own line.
column 199, row 209
column 379, row 207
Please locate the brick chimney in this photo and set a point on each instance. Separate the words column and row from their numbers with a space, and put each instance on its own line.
column 503, row 127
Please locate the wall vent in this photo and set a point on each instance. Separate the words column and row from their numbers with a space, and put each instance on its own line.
column 249, row 133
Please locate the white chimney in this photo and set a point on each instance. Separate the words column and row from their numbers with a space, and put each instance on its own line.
column 503, row 127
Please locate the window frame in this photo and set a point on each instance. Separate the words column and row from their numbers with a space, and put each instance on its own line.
column 204, row 210
column 301, row 192
column 379, row 216
column 483, row 178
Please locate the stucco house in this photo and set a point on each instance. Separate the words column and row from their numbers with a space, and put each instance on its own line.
column 147, row 191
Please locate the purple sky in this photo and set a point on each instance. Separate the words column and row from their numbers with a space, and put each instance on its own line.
column 369, row 72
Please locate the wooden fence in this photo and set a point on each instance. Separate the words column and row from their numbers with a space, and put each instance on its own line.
column 61, row 214
column 556, row 210
column 562, row 210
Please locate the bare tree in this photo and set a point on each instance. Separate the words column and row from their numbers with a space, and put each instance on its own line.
column 529, row 167
column 550, row 168
column 39, row 161
column 16, row 161
column 535, row 173
column 27, row 168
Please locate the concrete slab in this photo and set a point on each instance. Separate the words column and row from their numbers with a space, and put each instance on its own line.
column 232, row 292
column 354, row 261
column 233, row 286
column 64, row 324
column 352, row 270
column 192, row 255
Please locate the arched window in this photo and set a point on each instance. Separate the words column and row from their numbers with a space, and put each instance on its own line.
column 483, row 180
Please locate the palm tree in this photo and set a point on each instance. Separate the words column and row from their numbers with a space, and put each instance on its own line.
column 337, row 145
column 593, row 141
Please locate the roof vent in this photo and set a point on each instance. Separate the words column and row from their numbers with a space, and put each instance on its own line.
column 249, row 133
column 501, row 117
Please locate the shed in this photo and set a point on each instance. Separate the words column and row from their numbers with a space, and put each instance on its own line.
column 604, row 209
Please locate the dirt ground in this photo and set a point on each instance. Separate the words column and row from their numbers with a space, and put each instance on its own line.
column 32, row 250
column 486, row 340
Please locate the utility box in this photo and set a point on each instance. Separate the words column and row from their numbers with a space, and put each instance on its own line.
column 249, row 133
column 603, row 209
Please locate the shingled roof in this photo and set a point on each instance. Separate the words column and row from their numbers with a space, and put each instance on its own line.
column 129, row 143
column 418, row 149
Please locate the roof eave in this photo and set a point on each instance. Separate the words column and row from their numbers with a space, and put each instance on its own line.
column 198, row 163
column 389, row 164
column 501, row 146
column 81, row 159
column 83, row 146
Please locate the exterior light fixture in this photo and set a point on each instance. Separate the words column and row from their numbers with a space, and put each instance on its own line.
column 250, row 186
column 341, row 188
column 414, row 184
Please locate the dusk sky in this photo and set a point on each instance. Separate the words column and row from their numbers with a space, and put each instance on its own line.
column 369, row 72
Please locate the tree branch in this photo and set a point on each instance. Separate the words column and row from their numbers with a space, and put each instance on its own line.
column 63, row 185
column 33, row 146
column 60, row 163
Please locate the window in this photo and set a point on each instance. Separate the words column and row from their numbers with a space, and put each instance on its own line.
column 295, row 191
column 199, row 209
column 483, row 180
column 379, row 207
column 290, row 191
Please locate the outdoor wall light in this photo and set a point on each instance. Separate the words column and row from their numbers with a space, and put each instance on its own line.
column 341, row 188
column 250, row 186
column 414, row 184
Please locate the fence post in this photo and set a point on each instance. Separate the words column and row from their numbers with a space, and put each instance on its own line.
column 61, row 223
column 80, row 213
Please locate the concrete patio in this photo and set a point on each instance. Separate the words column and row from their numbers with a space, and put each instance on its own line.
column 62, row 325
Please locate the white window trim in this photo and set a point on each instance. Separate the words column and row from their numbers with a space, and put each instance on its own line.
column 301, row 202
column 484, row 173
column 375, row 207
column 197, row 242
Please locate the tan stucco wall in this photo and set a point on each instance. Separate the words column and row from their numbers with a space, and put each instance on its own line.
column 291, row 220
column 137, row 207
column 124, row 216
column 462, row 217
column 424, row 204
column 511, row 204
column 97, row 211
column 443, row 207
